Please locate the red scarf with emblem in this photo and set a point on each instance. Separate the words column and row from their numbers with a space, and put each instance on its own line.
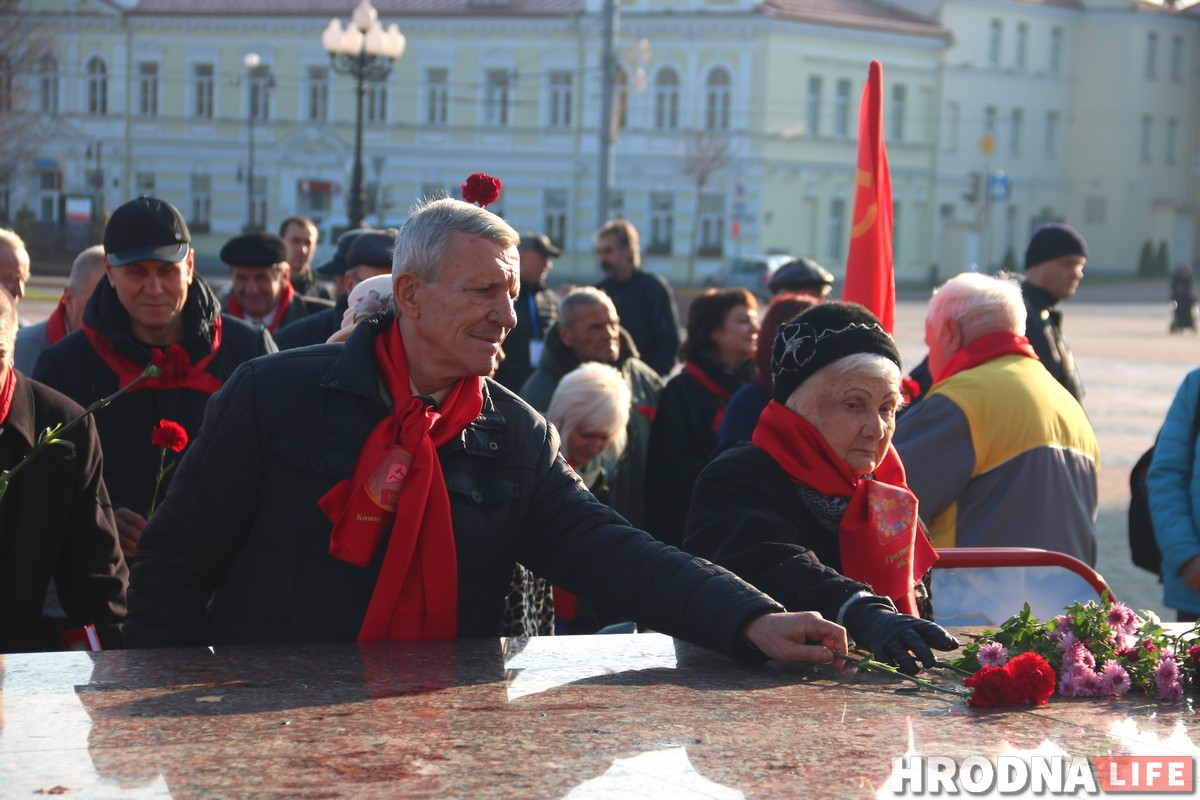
column 285, row 300
column 398, row 487
column 879, row 539
column 984, row 349
column 177, row 371
column 6, row 393
column 56, row 323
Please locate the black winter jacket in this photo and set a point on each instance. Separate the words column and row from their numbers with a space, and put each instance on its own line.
column 316, row 328
column 1043, row 329
column 241, row 520
column 647, row 309
column 74, row 368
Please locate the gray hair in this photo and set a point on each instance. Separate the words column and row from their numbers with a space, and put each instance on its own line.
column 8, row 327
column 595, row 397
column 580, row 297
column 980, row 304
column 872, row 365
column 11, row 239
column 84, row 263
column 422, row 242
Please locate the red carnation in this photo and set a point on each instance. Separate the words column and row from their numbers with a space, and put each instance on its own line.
column 647, row 412
column 1033, row 678
column 991, row 687
column 173, row 365
column 481, row 188
column 910, row 390
column 169, row 435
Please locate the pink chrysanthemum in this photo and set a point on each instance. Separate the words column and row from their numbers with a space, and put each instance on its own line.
column 1121, row 618
column 1062, row 622
column 1079, row 655
column 993, row 654
column 1114, row 680
column 1067, row 640
column 1166, row 678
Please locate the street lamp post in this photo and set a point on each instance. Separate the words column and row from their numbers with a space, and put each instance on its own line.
column 365, row 51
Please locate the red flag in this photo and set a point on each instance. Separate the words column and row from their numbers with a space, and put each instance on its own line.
column 870, row 277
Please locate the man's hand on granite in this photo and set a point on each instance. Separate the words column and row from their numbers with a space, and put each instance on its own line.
column 800, row 636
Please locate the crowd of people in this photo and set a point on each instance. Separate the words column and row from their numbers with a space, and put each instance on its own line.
column 420, row 439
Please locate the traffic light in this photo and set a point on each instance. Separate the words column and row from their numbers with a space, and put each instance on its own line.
column 971, row 195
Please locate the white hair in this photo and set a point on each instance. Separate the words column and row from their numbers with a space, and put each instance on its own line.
column 980, row 304
column 803, row 400
column 595, row 397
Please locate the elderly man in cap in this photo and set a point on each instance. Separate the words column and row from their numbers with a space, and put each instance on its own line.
column 998, row 453
column 300, row 234
column 152, row 308
column 404, row 518
column 1054, row 264
column 361, row 254
column 802, row 276
column 537, row 310
column 261, row 293
column 55, row 517
column 32, row 340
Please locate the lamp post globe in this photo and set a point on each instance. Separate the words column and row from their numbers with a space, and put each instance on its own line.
column 365, row 51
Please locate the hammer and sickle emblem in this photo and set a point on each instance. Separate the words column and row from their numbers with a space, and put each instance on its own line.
column 862, row 179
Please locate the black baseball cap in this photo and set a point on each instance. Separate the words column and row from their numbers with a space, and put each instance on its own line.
column 146, row 228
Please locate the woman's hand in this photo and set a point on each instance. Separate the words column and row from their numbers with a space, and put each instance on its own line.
column 799, row 636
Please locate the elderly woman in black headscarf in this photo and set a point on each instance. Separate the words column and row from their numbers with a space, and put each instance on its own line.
column 816, row 511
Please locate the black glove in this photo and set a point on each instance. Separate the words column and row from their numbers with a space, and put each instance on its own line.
column 893, row 637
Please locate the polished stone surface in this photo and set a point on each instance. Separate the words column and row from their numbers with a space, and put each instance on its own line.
column 637, row 716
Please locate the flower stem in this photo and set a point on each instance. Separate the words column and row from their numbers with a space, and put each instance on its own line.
column 54, row 435
column 162, row 458
column 869, row 664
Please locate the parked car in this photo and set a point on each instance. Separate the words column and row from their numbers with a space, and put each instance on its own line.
column 750, row 272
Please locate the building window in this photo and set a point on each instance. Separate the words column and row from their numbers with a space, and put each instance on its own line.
column 375, row 110
column 260, row 92
column 1172, row 139
column 812, row 116
column 1147, row 132
column 97, row 86
column 437, row 96
column 554, row 205
column 1051, row 148
column 562, row 98
column 899, row 101
column 953, row 115
column 666, row 100
column 1056, row 48
column 662, row 223
column 995, row 42
column 48, row 85
column 200, row 220
column 837, row 228
column 314, row 198
column 6, row 94
column 1016, row 131
column 147, row 89
column 1020, row 57
column 622, row 97
column 989, row 120
column 1177, row 59
column 318, row 94
column 495, row 98
column 259, row 207
column 841, row 111
column 202, row 79
column 716, row 100
column 1095, row 210
column 144, row 181
column 712, row 225
column 1151, row 55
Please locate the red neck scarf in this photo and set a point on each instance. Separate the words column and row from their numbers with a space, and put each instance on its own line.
column 56, row 323
column 398, row 488
column 879, row 539
column 712, row 387
column 984, row 349
column 178, row 371
column 6, row 393
column 285, row 300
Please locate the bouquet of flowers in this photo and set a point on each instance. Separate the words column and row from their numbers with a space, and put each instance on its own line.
column 1092, row 650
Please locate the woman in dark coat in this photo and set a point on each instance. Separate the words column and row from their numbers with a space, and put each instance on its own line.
column 816, row 511
column 722, row 333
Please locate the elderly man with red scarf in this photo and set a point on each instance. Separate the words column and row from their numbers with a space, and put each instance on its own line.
column 401, row 518
column 151, row 307
column 816, row 510
column 261, row 290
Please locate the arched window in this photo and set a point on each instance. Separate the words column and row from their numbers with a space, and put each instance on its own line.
column 666, row 100
column 716, row 100
column 47, row 70
column 97, row 86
